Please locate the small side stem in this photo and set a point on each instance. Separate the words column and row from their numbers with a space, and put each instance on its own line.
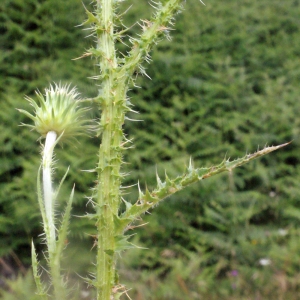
column 53, row 258
column 47, row 189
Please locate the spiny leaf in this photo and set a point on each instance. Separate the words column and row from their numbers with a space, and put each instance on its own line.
column 120, row 224
column 127, row 204
column 170, row 186
column 91, row 18
column 160, row 184
column 121, row 243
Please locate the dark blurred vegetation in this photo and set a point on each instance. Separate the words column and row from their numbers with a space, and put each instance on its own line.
column 226, row 84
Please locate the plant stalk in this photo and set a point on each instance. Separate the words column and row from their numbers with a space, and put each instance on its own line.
column 50, row 230
column 110, row 157
column 48, row 190
column 112, row 100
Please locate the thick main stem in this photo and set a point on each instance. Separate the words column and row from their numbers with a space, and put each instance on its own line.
column 110, row 158
column 112, row 100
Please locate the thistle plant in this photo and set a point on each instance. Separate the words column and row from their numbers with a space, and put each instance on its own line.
column 58, row 116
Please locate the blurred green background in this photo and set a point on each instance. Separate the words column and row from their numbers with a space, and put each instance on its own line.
column 227, row 84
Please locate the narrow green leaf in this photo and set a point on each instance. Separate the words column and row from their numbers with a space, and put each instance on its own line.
column 60, row 184
column 37, row 278
column 63, row 230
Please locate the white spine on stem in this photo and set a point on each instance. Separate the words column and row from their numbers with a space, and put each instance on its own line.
column 47, row 187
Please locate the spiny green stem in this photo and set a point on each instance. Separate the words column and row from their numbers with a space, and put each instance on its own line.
column 109, row 155
column 112, row 100
column 151, row 31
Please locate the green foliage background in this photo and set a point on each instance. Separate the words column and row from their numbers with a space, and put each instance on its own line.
column 226, row 84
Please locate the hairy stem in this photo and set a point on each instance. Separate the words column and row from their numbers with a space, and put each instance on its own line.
column 53, row 257
column 152, row 30
column 110, row 157
column 47, row 188
column 112, row 101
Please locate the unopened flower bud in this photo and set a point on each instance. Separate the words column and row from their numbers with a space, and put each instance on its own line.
column 59, row 111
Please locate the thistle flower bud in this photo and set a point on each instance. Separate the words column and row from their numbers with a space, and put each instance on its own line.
column 59, row 111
